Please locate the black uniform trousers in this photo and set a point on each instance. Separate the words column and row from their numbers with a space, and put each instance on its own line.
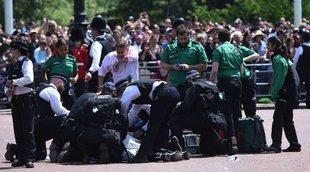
column 45, row 129
column 248, row 98
column 305, row 77
column 90, row 138
column 232, row 107
column 283, row 118
column 23, row 123
column 157, row 134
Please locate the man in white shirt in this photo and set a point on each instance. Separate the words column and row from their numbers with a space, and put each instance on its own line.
column 121, row 63
column 51, row 114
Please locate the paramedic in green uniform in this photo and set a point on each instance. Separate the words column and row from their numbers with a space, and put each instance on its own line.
column 65, row 64
column 281, row 92
column 248, row 99
column 227, row 68
column 181, row 56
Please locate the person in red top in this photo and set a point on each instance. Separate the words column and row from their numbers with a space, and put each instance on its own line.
column 80, row 52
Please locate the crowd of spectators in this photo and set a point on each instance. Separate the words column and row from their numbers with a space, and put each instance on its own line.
column 150, row 38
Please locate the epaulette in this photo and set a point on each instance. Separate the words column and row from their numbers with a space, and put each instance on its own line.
column 71, row 56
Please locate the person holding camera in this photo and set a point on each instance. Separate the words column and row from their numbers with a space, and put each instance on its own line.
column 181, row 56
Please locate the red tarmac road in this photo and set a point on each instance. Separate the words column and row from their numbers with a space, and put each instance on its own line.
column 282, row 162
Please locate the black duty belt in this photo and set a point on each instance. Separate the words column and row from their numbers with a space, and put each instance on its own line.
column 23, row 95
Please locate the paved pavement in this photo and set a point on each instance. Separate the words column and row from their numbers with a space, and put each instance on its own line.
column 284, row 162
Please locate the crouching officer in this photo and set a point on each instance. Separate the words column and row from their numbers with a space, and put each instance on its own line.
column 49, row 104
column 163, row 98
column 202, row 101
column 46, row 123
column 103, row 127
column 19, row 87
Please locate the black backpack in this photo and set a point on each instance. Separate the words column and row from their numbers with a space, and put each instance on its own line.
column 209, row 103
column 210, row 98
column 105, row 111
column 291, row 85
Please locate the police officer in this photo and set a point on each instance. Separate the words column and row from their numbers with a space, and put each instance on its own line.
column 98, row 49
column 47, row 123
column 302, row 62
column 181, row 56
column 103, row 127
column 163, row 99
column 227, row 68
column 19, row 86
column 192, row 113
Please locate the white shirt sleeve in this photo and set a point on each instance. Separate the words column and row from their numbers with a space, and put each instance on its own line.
column 95, row 53
column 133, row 55
column 131, row 93
column 298, row 53
column 133, row 114
column 27, row 70
column 51, row 95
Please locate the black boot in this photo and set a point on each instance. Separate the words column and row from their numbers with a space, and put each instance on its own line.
column 10, row 152
column 233, row 148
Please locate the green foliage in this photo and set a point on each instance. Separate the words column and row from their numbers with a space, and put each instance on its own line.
column 249, row 11
column 215, row 10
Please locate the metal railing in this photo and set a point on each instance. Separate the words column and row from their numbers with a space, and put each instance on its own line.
column 262, row 75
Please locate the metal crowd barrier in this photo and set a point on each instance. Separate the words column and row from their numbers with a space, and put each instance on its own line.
column 262, row 76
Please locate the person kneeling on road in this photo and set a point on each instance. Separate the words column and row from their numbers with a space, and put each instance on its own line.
column 163, row 98
column 102, row 128
column 46, row 122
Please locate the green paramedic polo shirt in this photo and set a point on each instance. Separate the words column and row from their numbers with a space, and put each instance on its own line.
column 57, row 65
column 229, row 58
column 245, row 53
column 192, row 54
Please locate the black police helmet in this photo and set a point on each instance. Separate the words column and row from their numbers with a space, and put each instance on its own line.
column 22, row 46
column 99, row 23
column 306, row 36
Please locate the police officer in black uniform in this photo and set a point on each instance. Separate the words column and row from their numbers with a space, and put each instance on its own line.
column 163, row 99
column 19, row 86
column 302, row 62
column 193, row 111
column 101, row 45
column 47, row 123
column 102, row 127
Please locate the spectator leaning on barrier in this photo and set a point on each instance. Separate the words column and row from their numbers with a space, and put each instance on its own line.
column 181, row 56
